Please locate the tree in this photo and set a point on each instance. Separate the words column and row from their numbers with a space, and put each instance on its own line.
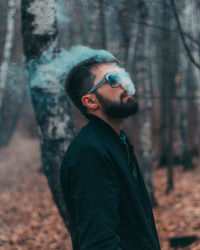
column 7, row 47
column 12, row 78
column 102, row 23
column 145, row 102
column 125, row 24
column 193, row 74
column 182, row 91
column 167, row 89
column 51, row 106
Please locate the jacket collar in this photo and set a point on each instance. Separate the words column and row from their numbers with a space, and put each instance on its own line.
column 104, row 129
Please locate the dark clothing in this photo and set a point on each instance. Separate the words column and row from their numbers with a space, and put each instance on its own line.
column 108, row 207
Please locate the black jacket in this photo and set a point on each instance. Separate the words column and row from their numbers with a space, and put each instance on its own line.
column 108, row 207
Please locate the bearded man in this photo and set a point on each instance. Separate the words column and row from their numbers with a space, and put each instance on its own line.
column 107, row 202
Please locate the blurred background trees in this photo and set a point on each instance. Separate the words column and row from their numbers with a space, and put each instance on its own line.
column 157, row 41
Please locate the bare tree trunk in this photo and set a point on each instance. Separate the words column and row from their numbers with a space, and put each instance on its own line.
column 132, row 48
column 193, row 86
column 183, row 122
column 85, row 22
column 7, row 47
column 102, row 23
column 50, row 104
column 165, row 81
column 12, row 104
column 196, row 148
column 182, row 91
column 12, row 77
column 168, row 72
column 124, row 16
column 145, row 101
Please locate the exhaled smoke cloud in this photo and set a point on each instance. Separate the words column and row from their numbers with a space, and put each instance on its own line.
column 126, row 82
column 50, row 71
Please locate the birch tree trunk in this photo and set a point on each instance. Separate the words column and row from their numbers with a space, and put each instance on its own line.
column 7, row 47
column 12, row 76
column 50, row 104
column 145, row 101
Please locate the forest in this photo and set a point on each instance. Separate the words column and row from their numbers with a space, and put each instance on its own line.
column 158, row 43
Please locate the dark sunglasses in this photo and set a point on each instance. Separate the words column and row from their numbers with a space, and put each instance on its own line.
column 113, row 78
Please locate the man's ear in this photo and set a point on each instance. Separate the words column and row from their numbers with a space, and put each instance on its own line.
column 90, row 101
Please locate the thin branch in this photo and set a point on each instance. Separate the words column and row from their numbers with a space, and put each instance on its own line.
column 182, row 35
column 169, row 97
column 169, row 30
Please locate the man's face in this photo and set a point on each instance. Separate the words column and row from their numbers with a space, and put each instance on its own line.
column 114, row 102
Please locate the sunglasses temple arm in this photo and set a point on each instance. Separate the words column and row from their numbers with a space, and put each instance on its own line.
column 97, row 85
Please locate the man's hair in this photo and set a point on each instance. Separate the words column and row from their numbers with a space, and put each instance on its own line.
column 80, row 80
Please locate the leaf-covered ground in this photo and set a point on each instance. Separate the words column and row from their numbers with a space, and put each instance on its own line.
column 30, row 220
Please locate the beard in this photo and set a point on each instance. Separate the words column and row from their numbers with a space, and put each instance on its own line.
column 118, row 110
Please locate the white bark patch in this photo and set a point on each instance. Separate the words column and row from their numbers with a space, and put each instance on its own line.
column 57, row 127
column 45, row 15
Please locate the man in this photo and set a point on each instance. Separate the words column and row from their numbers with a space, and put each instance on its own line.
column 107, row 203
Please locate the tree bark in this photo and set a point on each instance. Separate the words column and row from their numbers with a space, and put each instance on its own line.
column 50, row 104
column 102, row 23
column 12, row 88
column 12, row 104
column 7, row 47
column 124, row 16
column 168, row 72
column 145, row 101
column 193, row 86
column 196, row 149
column 182, row 91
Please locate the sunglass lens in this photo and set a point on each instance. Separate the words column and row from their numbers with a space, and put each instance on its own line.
column 114, row 80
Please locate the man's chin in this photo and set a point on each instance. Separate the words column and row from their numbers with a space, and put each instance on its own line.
column 131, row 107
column 126, row 108
column 123, row 112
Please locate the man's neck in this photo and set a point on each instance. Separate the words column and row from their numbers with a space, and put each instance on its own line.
column 115, row 123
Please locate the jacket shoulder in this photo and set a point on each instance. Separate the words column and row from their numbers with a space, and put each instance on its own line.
column 87, row 137
column 85, row 141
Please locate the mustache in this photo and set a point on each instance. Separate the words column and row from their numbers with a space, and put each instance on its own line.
column 124, row 94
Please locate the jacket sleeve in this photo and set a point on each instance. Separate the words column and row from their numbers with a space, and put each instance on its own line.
column 95, row 198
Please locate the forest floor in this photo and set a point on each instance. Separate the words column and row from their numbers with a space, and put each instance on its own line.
column 29, row 218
